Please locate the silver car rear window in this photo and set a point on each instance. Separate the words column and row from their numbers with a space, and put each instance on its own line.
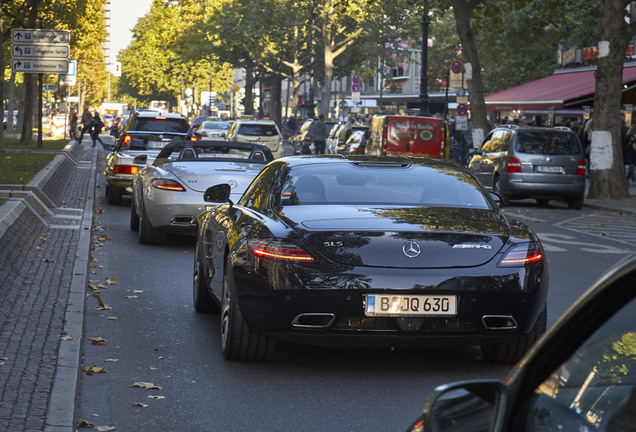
column 545, row 143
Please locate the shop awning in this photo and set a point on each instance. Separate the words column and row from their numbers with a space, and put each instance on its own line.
column 563, row 89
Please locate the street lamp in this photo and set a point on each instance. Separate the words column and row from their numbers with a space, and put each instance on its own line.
column 422, row 101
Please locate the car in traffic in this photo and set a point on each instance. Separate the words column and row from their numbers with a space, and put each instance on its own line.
column 210, row 129
column 581, row 376
column 264, row 132
column 521, row 162
column 356, row 143
column 167, row 195
column 303, row 141
column 368, row 251
column 145, row 133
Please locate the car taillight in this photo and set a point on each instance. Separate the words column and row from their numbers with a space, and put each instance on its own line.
column 204, row 134
column 127, row 140
column 514, row 165
column 580, row 168
column 280, row 251
column 193, row 138
column 166, row 184
column 160, row 118
column 521, row 255
column 125, row 169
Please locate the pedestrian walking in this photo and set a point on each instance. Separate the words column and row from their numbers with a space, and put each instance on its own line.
column 87, row 118
column 96, row 128
column 319, row 135
column 72, row 127
column 629, row 152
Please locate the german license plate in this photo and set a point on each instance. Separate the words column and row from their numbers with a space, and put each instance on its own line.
column 550, row 169
column 410, row 305
column 156, row 144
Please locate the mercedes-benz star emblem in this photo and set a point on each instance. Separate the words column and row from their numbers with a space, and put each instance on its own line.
column 411, row 249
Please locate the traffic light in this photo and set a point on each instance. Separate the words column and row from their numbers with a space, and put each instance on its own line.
column 58, row 96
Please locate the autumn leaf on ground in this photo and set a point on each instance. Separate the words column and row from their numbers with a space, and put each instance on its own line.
column 92, row 369
column 93, row 280
column 113, row 318
column 105, row 428
column 111, row 281
column 66, row 338
column 77, row 256
column 93, row 288
column 111, row 360
column 43, row 239
column 142, row 405
column 102, row 305
column 103, row 238
column 156, row 397
column 146, row 385
column 47, row 260
column 84, row 424
column 130, row 296
column 97, row 341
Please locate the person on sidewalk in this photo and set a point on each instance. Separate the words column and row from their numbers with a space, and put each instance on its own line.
column 319, row 135
column 87, row 118
column 72, row 126
column 629, row 152
column 96, row 128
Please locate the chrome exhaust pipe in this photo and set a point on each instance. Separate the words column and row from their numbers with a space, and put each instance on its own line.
column 313, row 320
column 499, row 322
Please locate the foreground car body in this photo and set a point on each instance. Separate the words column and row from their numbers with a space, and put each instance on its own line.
column 168, row 195
column 580, row 377
column 368, row 251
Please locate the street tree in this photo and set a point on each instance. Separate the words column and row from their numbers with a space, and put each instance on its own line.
column 607, row 172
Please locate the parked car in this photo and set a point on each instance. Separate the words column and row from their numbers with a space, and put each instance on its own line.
column 264, row 132
column 329, row 144
column 303, row 142
column 145, row 132
column 212, row 130
column 360, row 250
column 581, row 376
column 522, row 162
column 355, row 144
column 167, row 195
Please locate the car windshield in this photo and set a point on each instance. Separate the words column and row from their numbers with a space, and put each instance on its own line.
column 161, row 125
column 257, row 130
column 543, row 143
column 412, row 185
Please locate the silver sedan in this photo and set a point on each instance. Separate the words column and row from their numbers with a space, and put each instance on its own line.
column 168, row 195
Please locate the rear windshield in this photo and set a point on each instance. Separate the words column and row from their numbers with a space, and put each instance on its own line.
column 257, row 130
column 393, row 186
column 546, row 143
column 161, row 125
column 216, row 125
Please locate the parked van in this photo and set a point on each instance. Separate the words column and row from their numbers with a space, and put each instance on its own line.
column 395, row 135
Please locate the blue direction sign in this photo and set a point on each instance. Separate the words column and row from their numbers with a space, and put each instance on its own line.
column 52, row 51
column 40, row 36
column 40, row 66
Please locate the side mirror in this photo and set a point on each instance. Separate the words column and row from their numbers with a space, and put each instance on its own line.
column 140, row 160
column 218, row 194
column 496, row 198
column 464, row 406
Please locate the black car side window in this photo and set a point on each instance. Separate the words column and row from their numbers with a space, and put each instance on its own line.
column 257, row 194
column 595, row 389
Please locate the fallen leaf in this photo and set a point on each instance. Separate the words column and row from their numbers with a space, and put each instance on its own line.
column 77, row 256
column 111, row 281
column 157, row 349
column 66, row 338
column 102, row 305
column 142, row 405
column 111, row 360
column 113, row 318
column 130, row 297
column 97, row 341
column 47, row 260
column 105, row 428
column 92, row 369
column 156, row 397
column 146, row 385
column 84, row 424
column 43, row 238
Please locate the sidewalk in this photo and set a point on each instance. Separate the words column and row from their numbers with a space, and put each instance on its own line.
column 45, row 235
column 45, row 232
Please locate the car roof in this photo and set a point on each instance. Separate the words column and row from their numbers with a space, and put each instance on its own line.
column 370, row 160
column 157, row 113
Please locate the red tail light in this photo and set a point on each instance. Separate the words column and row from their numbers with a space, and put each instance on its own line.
column 514, row 165
column 193, row 138
column 169, row 185
column 281, row 251
column 125, row 169
column 521, row 255
column 580, row 167
column 127, row 140
column 160, row 118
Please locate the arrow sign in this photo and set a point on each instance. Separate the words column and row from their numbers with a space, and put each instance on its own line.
column 40, row 36
column 39, row 66
column 50, row 51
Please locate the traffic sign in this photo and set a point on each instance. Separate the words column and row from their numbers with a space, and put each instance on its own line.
column 355, row 88
column 462, row 109
column 355, row 79
column 53, row 51
column 40, row 36
column 70, row 77
column 39, row 66
column 457, row 66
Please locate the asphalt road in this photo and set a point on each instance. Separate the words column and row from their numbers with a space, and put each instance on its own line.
column 151, row 335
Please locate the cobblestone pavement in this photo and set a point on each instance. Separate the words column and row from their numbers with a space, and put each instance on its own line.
column 42, row 283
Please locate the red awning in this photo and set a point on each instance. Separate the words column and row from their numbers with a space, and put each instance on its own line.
column 552, row 92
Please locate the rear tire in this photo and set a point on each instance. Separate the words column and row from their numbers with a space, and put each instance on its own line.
column 114, row 195
column 238, row 341
column 511, row 351
column 148, row 234
column 201, row 297
column 575, row 203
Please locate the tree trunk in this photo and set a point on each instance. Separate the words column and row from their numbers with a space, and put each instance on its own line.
column 26, row 108
column 607, row 172
column 248, row 101
column 11, row 103
column 462, row 10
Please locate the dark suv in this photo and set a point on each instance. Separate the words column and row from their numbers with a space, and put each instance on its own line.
column 145, row 132
column 542, row 163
